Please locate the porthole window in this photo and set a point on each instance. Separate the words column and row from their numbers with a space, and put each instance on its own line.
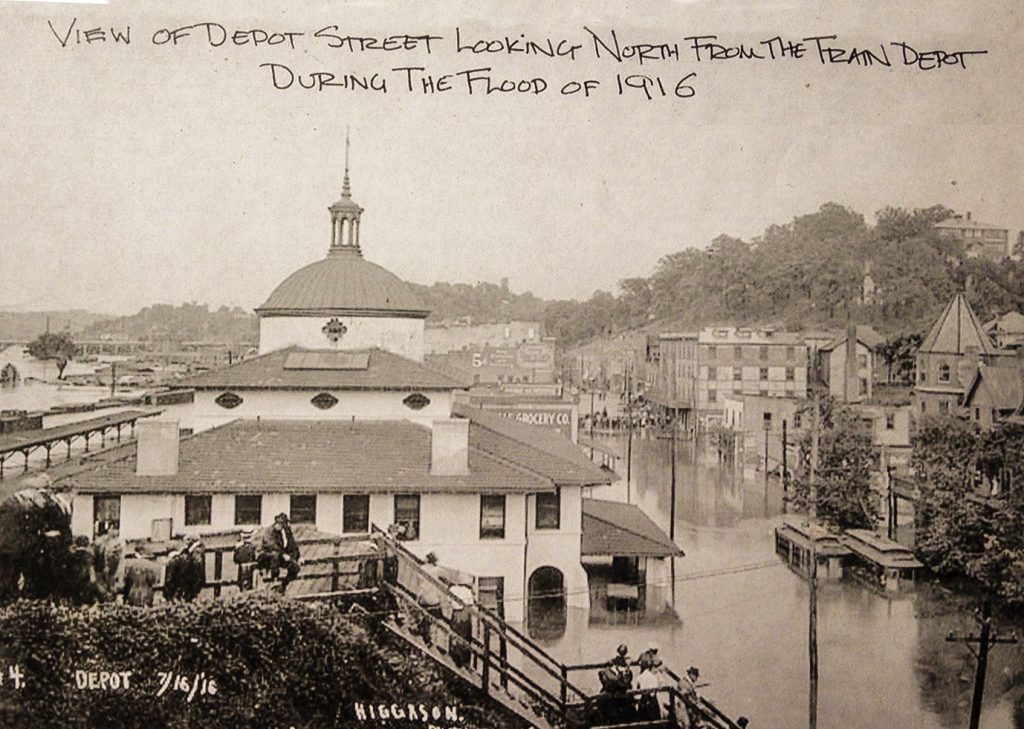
column 416, row 401
column 228, row 400
column 325, row 401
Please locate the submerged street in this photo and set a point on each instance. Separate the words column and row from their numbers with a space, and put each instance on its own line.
column 883, row 661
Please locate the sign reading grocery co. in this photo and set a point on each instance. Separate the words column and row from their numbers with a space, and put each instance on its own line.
column 548, row 418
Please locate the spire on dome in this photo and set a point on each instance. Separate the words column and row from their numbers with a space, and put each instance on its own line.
column 346, row 188
column 345, row 215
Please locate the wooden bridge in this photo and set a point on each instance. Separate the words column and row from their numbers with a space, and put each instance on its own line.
column 27, row 442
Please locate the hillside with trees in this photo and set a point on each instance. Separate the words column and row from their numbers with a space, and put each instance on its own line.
column 184, row 323
column 808, row 272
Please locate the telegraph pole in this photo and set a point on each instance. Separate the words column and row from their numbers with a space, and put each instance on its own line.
column 986, row 640
column 672, row 507
column 785, row 468
column 629, row 435
column 812, row 626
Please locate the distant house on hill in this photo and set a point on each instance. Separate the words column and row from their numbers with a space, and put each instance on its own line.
column 980, row 240
column 1008, row 330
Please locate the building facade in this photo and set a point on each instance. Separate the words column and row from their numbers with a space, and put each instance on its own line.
column 949, row 357
column 735, row 361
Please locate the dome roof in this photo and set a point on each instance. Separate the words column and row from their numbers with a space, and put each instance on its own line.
column 343, row 283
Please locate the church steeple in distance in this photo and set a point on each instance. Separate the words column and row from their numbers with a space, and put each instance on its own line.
column 345, row 215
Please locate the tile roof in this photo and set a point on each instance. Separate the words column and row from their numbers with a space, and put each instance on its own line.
column 280, row 456
column 956, row 329
column 538, row 449
column 385, row 371
column 614, row 528
column 1004, row 384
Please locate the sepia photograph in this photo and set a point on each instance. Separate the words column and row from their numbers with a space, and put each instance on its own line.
column 481, row 364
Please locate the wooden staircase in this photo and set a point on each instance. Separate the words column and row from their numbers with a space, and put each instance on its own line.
column 511, row 668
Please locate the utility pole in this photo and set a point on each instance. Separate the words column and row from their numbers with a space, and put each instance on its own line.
column 629, row 435
column 986, row 640
column 812, row 626
column 785, row 468
column 113, row 377
column 672, row 507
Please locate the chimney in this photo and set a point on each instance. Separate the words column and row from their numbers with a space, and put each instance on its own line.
column 449, row 447
column 157, row 448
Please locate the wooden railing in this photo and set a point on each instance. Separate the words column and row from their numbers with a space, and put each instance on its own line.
column 489, row 624
column 697, row 705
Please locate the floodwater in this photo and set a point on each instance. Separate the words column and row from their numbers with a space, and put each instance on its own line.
column 884, row 662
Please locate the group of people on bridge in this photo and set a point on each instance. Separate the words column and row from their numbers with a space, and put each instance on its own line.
column 649, row 695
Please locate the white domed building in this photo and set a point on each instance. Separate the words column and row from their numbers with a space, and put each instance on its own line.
column 343, row 301
column 339, row 423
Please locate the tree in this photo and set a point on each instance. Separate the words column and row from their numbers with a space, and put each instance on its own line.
column 963, row 528
column 845, row 461
column 59, row 347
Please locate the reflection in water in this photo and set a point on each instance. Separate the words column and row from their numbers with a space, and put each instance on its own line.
column 884, row 661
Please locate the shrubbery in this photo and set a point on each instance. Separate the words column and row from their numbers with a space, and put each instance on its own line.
column 277, row 663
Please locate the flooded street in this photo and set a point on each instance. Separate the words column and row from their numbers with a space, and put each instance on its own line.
column 743, row 619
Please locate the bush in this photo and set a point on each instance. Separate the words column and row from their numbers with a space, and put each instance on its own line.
column 277, row 663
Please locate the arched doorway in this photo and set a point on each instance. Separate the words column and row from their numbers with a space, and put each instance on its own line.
column 546, row 613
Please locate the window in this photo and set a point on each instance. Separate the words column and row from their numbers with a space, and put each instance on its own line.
column 764, row 373
column 790, row 352
column 248, row 509
column 863, row 386
column 303, row 508
column 944, row 372
column 549, row 510
column 790, row 373
column 767, row 420
column 923, row 408
column 797, row 417
column 862, row 360
column 712, row 351
column 324, row 401
column 712, row 395
column 944, row 407
column 492, row 516
column 737, row 352
column 355, row 513
column 228, row 400
column 737, row 374
column 890, row 421
column 407, row 513
column 198, row 510
column 106, row 514
column 712, row 373
column 763, row 351
column 922, row 376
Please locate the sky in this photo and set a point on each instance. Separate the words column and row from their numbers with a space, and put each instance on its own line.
column 163, row 172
